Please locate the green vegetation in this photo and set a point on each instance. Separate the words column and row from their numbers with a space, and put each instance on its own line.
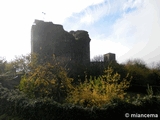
column 45, row 91
column 46, row 81
column 16, row 105
column 99, row 91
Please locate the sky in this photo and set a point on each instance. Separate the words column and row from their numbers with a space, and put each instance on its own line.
column 128, row 28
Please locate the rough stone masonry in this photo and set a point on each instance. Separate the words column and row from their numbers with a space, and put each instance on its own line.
column 48, row 39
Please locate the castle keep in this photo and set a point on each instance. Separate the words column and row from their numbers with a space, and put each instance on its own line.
column 48, row 39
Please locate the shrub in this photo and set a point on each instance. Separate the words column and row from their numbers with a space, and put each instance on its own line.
column 99, row 91
column 137, row 68
column 46, row 81
column 15, row 105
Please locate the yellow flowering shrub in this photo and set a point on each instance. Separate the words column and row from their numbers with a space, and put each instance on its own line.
column 46, row 81
column 99, row 91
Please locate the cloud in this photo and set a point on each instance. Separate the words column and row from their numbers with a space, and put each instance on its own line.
column 94, row 13
column 135, row 34
column 130, row 4
column 106, row 8
column 139, row 30
column 60, row 10
column 56, row 10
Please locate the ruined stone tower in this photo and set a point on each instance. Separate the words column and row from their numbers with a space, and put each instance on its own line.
column 48, row 39
column 109, row 57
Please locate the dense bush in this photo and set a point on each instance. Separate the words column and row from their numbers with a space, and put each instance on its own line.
column 142, row 76
column 14, row 103
column 99, row 91
column 138, row 70
column 46, row 80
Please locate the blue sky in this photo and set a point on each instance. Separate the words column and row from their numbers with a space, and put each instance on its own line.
column 128, row 28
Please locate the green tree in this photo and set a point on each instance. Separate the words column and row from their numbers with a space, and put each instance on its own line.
column 21, row 63
column 98, row 58
column 154, row 77
column 2, row 65
column 138, row 70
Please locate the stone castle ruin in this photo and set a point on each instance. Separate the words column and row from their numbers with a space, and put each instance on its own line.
column 48, row 39
column 109, row 57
